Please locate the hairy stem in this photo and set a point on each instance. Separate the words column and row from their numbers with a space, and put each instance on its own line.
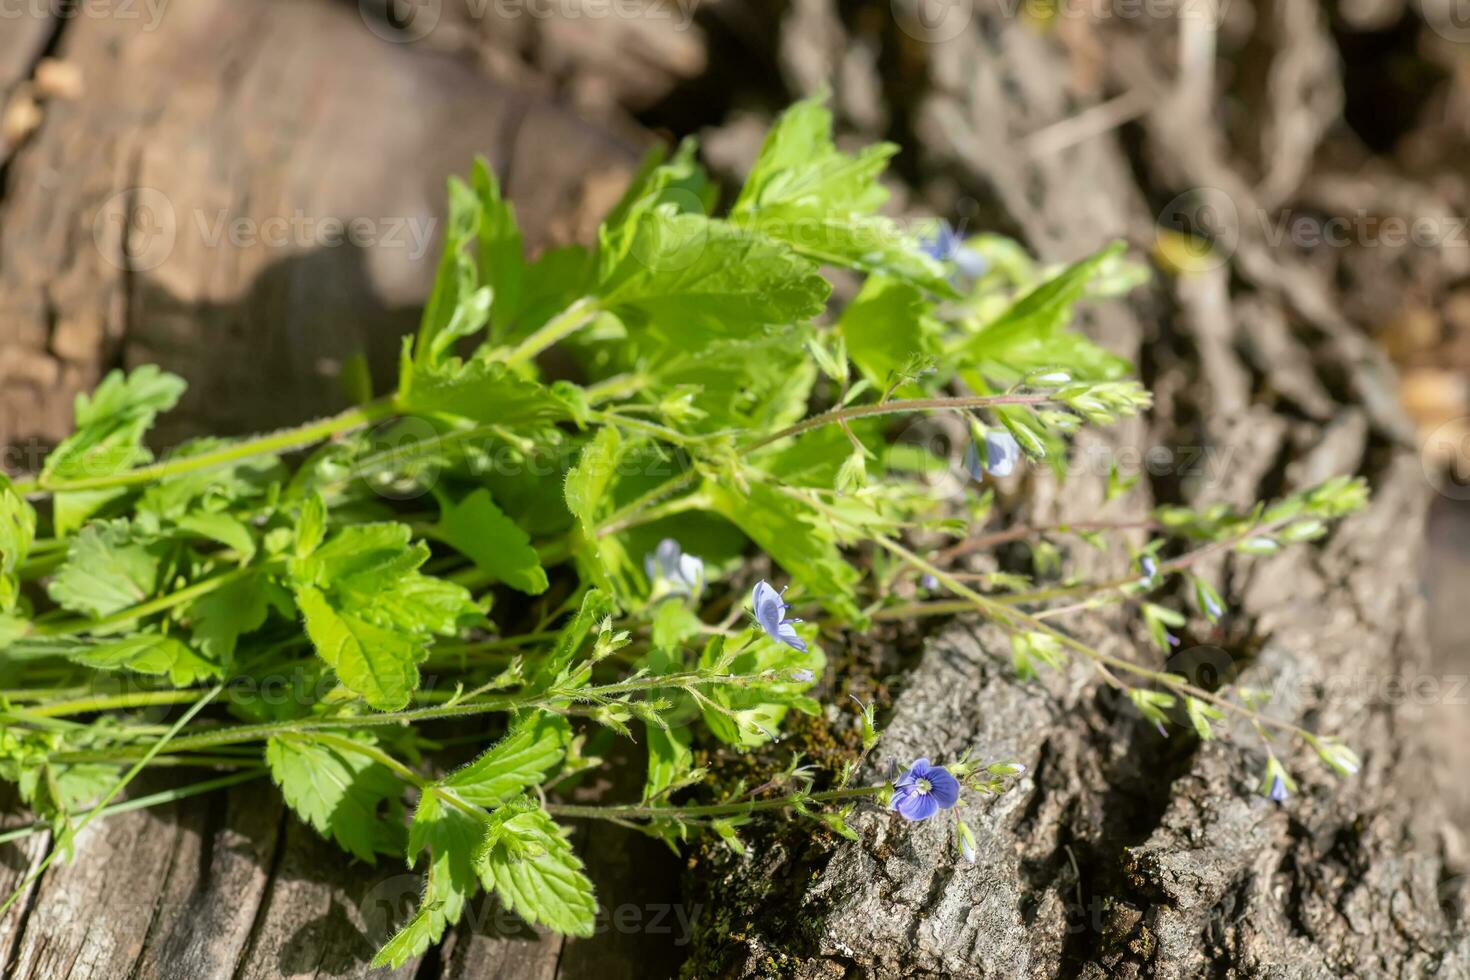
column 637, row 812
column 285, row 440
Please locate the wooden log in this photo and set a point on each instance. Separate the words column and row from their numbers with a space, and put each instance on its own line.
column 175, row 215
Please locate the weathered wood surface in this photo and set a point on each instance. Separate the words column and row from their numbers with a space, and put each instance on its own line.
column 248, row 114
column 1124, row 853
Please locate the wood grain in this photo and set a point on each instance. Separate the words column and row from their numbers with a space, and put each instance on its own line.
column 249, row 116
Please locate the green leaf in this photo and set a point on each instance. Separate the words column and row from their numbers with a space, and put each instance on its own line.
column 799, row 163
column 588, row 483
column 502, row 262
column 110, row 566
column 1201, row 714
column 17, row 532
column 532, row 747
column 1029, row 334
column 669, row 758
column 311, row 525
column 371, row 570
column 213, row 488
column 457, row 307
column 218, row 619
column 144, row 653
column 111, row 422
column 370, row 612
column 379, row 664
column 486, row 392
column 802, row 190
column 549, row 285
column 754, row 710
column 338, row 792
column 451, row 837
column 534, row 872
column 794, row 537
column 757, row 383
column 596, row 606
column 478, row 529
column 691, row 279
column 677, row 185
column 885, row 327
column 224, row 529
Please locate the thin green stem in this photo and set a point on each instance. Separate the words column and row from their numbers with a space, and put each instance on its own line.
column 555, row 330
column 625, row 516
column 236, row 734
column 285, row 440
column 640, row 812
column 117, row 788
column 108, row 702
column 400, row 770
column 189, row 593
column 1015, row 619
column 952, row 404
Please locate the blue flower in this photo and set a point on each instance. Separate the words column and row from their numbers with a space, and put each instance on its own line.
column 770, row 614
column 1001, row 455
column 924, row 790
column 946, row 246
column 929, row 582
column 1212, row 608
column 1278, row 790
column 1150, row 566
column 803, row 676
column 679, row 573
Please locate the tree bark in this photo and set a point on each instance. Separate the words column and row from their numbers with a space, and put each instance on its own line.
column 1123, row 852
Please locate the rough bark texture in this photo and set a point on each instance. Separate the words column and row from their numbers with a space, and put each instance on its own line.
column 1122, row 852
column 108, row 257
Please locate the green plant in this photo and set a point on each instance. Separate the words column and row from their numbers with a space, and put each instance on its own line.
column 530, row 545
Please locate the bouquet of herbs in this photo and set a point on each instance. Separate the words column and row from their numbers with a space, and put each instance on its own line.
column 510, row 553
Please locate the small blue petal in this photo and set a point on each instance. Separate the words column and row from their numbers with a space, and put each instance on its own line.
column 916, row 806
column 1150, row 567
column 970, row 263
column 770, row 616
column 944, row 787
column 1278, row 789
column 681, row 574
column 786, row 633
column 1002, row 452
column 942, row 245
